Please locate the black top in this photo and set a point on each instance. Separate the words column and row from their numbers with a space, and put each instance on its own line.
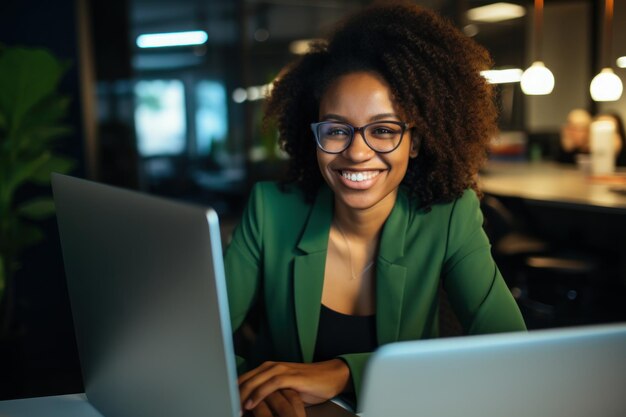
column 338, row 334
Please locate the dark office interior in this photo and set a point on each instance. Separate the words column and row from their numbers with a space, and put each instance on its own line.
column 186, row 123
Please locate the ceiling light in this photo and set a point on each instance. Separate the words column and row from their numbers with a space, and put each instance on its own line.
column 537, row 80
column 621, row 62
column 496, row 12
column 512, row 75
column 606, row 86
column 162, row 40
column 302, row 46
column 253, row 93
column 240, row 95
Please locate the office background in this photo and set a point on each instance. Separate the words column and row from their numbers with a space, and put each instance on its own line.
column 186, row 122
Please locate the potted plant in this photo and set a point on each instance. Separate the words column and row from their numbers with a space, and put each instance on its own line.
column 31, row 122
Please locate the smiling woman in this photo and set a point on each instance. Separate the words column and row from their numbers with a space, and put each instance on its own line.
column 386, row 124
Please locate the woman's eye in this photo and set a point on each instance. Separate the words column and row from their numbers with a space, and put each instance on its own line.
column 337, row 132
column 383, row 131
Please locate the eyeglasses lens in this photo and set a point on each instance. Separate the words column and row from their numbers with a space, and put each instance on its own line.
column 381, row 137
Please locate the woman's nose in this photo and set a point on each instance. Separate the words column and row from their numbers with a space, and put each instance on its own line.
column 358, row 150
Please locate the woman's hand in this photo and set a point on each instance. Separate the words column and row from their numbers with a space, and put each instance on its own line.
column 314, row 382
column 283, row 403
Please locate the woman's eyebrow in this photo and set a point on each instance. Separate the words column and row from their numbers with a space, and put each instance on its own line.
column 332, row 116
column 381, row 116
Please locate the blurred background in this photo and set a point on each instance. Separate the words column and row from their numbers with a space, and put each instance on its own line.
column 181, row 118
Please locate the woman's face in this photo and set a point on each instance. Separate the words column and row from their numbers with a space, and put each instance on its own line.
column 358, row 99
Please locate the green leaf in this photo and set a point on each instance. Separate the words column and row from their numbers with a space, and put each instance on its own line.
column 26, row 77
column 47, row 111
column 31, row 115
column 38, row 209
column 28, row 143
column 36, row 139
column 24, row 172
column 55, row 163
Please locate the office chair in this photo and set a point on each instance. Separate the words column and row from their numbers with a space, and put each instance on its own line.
column 511, row 243
column 551, row 284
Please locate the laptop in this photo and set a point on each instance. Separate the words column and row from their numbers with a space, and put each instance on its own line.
column 145, row 278
column 568, row 372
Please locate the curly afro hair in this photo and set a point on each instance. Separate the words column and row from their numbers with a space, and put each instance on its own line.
column 433, row 72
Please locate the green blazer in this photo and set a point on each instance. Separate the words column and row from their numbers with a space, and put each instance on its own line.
column 278, row 253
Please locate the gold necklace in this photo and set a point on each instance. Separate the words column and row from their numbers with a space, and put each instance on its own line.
column 367, row 267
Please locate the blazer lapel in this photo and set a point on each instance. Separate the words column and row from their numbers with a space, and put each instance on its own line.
column 309, row 272
column 391, row 277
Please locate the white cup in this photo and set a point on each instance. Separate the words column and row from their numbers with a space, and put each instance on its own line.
column 602, row 147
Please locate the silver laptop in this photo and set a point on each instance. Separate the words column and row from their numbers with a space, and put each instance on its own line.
column 575, row 372
column 146, row 284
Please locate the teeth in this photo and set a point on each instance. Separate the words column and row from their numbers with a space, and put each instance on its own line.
column 359, row 176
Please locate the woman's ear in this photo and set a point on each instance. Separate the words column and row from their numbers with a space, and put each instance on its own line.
column 415, row 145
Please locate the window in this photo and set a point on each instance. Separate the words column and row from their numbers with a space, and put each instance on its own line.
column 211, row 115
column 160, row 117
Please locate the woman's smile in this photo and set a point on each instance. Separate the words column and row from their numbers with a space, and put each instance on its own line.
column 359, row 179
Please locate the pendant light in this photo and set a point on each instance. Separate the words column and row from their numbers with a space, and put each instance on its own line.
column 606, row 86
column 537, row 79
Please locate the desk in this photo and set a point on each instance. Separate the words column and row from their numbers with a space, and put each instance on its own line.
column 554, row 184
column 77, row 405
column 72, row 405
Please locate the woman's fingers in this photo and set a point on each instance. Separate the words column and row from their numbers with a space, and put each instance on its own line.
column 276, row 382
column 294, row 398
column 283, row 404
column 250, row 374
column 271, row 377
column 262, row 410
column 314, row 383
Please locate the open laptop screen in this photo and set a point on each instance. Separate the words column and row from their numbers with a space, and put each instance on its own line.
column 575, row 372
column 148, row 297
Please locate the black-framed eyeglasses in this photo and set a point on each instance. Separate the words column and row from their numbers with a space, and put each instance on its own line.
column 382, row 137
